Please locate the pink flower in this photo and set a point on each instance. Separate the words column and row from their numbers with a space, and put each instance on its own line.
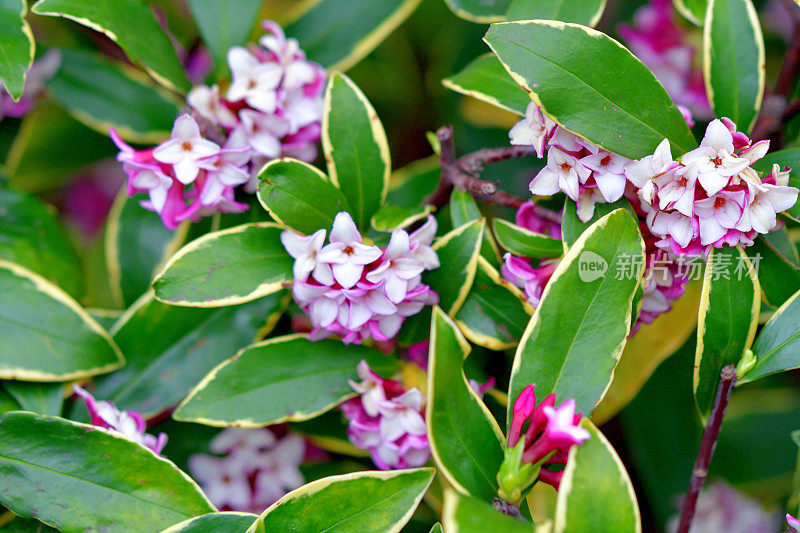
column 256, row 468
column 253, row 81
column 723, row 508
column 533, row 130
column 208, row 102
column 387, row 420
column 185, row 149
column 563, row 172
column 128, row 424
column 792, row 522
column 528, row 218
column 356, row 290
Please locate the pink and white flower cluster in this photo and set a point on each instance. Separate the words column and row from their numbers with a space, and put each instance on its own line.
column 129, row 424
column 711, row 196
column 582, row 170
column 272, row 108
column 252, row 470
column 387, row 420
column 670, row 51
column 358, row 290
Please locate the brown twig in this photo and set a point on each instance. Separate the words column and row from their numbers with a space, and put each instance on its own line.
column 775, row 109
column 727, row 381
column 463, row 172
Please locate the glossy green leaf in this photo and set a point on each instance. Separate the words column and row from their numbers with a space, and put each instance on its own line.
column 557, row 64
column 485, row 79
column 41, row 398
column 465, row 514
column 223, row 24
column 480, row 10
column 495, row 312
column 102, row 95
column 564, row 349
column 68, row 345
column 169, row 349
column 355, row 148
column 693, row 10
column 595, row 468
column 465, row 440
column 226, row 267
column 458, row 256
column 777, row 347
column 778, row 271
column 16, row 41
column 228, row 522
column 339, row 33
column 7, row 402
column 132, row 25
column 727, row 319
column 48, row 133
column 586, row 12
column 572, row 226
column 463, row 208
column 390, row 217
column 784, row 158
column 733, row 61
column 524, row 242
column 281, row 379
column 31, row 236
column 299, row 196
column 136, row 247
column 437, row 528
column 410, row 185
column 60, row 471
column 362, row 501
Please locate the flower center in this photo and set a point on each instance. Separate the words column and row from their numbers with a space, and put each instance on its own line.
column 717, row 161
column 251, row 84
column 348, row 250
column 683, row 181
column 606, row 160
column 566, row 167
column 186, row 146
column 719, row 203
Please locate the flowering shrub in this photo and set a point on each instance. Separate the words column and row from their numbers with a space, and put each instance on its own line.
column 244, row 291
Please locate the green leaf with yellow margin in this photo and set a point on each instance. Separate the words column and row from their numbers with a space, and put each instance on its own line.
column 58, row 471
column 281, row 379
column 391, row 217
column 482, row 11
column 646, row 349
column 137, row 245
column 226, row 267
column 355, row 148
column 230, row 522
column 40, row 398
column 299, row 195
column 487, row 80
column 338, row 33
column 692, row 10
column 31, row 236
column 778, row 271
column 576, row 336
column 103, row 94
column 133, row 26
column 586, row 12
column 464, row 209
column 495, row 312
column 777, row 347
column 465, row 440
column 556, row 63
column 16, row 42
column 733, row 61
column 169, row 348
column 524, row 242
column 458, row 253
column 727, row 320
column 572, row 226
column 67, row 345
column 362, row 501
column 594, row 468
column 465, row 514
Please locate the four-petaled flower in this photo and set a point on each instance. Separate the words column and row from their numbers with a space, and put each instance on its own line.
column 185, row 150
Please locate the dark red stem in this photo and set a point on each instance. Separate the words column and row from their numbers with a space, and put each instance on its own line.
column 710, row 435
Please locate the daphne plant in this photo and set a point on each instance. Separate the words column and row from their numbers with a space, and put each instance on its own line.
column 228, row 305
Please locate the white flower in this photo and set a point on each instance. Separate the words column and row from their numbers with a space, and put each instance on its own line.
column 533, row 130
column 185, row 149
column 304, row 249
column 152, row 180
column 253, row 82
column 562, row 173
column 224, row 479
column 719, row 213
column 397, row 267
column 226, row 169
column 420, row 244
column 715, row 158
column 401, row 415
column 345, row 253
column 263, row 132
column 641, row 171
column 608, row 173
column 208, row 102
